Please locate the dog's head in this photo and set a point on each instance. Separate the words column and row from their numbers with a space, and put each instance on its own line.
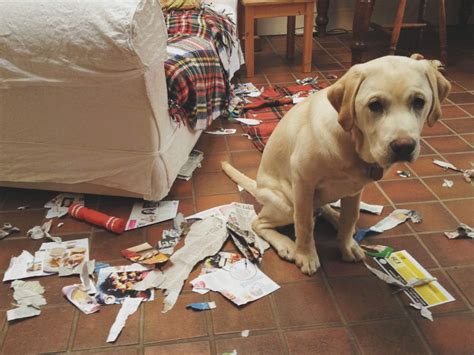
column 384, row 104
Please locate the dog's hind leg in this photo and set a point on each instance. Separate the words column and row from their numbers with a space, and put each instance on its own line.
column 284, row 246
column 276, row 212
column 330, row 215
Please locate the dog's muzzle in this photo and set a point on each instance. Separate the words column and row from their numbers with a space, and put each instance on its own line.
column 402, row 149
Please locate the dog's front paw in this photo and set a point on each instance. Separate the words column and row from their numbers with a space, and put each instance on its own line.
column 307, row 261
column 352, row 252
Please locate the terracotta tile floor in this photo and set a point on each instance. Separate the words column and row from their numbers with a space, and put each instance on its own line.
column 340, row 310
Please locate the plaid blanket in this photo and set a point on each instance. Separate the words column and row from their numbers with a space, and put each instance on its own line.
column 200, row 42
column 270, row 107
column 197, row 87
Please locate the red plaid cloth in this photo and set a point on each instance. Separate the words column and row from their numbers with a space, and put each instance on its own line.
column 270, row 107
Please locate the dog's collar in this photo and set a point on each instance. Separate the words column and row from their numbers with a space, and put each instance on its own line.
column 373, row 171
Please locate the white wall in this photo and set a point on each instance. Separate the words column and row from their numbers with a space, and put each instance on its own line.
column 341, row 12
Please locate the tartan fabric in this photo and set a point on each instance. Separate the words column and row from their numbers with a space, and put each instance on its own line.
column 197, row 88
column 200, row 42
column 270, row 107
column 205, row 23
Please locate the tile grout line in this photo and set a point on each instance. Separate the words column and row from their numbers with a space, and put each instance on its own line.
column 352, row 336
column 73, row 331
column 280, row 331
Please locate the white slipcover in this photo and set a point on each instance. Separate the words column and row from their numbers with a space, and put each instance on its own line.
column 83, row 98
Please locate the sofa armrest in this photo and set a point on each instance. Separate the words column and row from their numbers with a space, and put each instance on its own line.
column 78, row 42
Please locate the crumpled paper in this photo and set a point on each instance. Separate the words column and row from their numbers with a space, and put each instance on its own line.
column 462, row 231
column 395, row 218
column 40, row 232
column 205, row 238
column 29, row 298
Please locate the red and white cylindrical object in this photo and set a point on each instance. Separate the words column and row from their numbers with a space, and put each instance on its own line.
column 111, row 223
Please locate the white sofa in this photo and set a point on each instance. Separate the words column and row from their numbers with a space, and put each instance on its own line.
column 83, row 98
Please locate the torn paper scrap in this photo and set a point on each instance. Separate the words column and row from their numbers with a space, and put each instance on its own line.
column 76, row 270
column 153, row 280
column 81, row 299
column 446, row 165
column 29, row 298
column 233, row 352
column 169, row 239
column 245, row 241
column 403, row 173
column 391, row 221
column 129, row 306
column 242, row 283
column 366, row 207
column 145, row 213
column 24, row 266
column 245, row 333
column 222, row 260
column 462, row 231
column 86, row 269
column 115, row 284
column 201, row 306
column 425, row 312
column 248, row 121
column 68, row 254
column 8, row 229
column 448, row 183
column 194, row 161
column 59, row 205
column 247, row 89
column 222, row 211
column 205, row 238
column 41, row 232
column 405, row 269
column 239, row 224
column 144, row 254
column 222, row 132
column 381, row 251
column 468, row 174
column 22, row 312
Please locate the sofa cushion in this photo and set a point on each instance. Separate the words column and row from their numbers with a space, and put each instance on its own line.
column 78, row 42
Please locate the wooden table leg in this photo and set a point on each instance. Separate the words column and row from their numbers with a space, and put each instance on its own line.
column 322, row 20
column 360, row 27
column 308, row 37
column 290, row 37
column 249, row 41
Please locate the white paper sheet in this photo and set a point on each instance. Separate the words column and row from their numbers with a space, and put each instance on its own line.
column 145, row 213
column 243, row 283
column 24, row 266
column 366, row 207
column 129, row 306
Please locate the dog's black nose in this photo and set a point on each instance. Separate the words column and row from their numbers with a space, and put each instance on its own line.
column 402, row 148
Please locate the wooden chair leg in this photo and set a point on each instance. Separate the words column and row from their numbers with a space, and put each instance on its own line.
column 397, row 26
column 290, row 37
column 249, row 41
column 308, row 37
column 421, row 19
column 442, row 32
column 360, row 26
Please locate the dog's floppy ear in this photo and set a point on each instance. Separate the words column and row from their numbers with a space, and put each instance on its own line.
column 342, row 94
column 440, row 88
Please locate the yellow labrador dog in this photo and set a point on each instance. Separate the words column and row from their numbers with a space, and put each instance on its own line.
column 335, row 142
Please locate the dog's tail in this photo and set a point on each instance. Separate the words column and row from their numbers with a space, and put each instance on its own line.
column 243, row 180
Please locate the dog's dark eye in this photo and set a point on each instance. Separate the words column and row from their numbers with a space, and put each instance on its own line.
column 376, row 106
column 418, row 103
